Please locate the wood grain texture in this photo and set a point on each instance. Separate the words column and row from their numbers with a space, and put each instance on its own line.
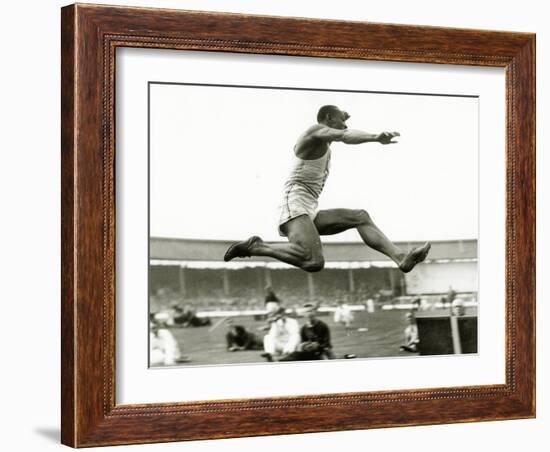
column 90, row 36
column 68, row 310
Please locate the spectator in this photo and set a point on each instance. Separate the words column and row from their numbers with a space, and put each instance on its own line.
column 451, row 295
column 370, row 305
column 163, row 348
column 239, row 338
column 187, row 317
column 283, row 336
column 315, row 338
column 343, row 314
column 457, row 307
column 411, row 334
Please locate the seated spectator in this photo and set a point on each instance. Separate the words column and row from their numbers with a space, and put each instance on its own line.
column 163, row 347
column 187, row 317
column 411, row 334
column 283, row 336
column 315, row 338
column 239, row 338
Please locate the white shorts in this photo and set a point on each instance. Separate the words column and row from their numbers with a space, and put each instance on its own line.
column 297, row 200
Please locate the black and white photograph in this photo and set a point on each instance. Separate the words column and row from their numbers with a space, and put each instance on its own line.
column 300, row 224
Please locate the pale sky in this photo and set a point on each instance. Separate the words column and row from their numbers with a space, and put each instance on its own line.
column 219, row 157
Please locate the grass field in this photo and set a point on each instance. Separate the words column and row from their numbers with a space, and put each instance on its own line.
column 382, row 339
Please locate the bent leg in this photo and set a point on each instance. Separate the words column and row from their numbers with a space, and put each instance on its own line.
column 304, row 249
column 334, row 221
column 338, row 220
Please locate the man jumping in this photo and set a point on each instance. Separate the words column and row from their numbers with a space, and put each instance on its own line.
column 300, row 221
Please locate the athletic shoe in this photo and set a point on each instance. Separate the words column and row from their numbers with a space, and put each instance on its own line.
column 415, row 256
column 241, row 249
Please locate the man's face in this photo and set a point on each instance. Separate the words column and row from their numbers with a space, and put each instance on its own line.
column 311, row 319
column 337, row 119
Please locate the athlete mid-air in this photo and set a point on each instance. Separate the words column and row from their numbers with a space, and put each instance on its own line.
column 300, row 221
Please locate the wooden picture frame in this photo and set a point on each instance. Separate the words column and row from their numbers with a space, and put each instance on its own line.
column 90, row 36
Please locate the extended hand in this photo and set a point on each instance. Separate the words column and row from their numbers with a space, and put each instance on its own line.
column 387, row 137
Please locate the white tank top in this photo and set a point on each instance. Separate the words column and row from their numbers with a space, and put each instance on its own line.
column 312, row 174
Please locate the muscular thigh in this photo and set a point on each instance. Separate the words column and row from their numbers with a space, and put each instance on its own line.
column 302, row 231
column 334, row 221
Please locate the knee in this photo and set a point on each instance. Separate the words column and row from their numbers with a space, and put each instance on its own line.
column 311, row 260
column 314, row 265
column 361, row 216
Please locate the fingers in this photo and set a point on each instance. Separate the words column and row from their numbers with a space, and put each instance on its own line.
column 386, row 137
column 391, row 135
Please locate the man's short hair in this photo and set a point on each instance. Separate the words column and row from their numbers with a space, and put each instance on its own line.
column 325, row 110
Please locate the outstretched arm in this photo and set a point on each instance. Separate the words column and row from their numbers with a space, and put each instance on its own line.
column 350, row 136
column 358, row 137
